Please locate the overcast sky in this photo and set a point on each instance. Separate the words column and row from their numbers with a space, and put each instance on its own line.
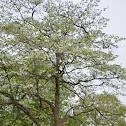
column 117, row 25
column 116, row 12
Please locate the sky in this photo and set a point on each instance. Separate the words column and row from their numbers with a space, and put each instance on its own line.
column 117, row 25
column 116, row 12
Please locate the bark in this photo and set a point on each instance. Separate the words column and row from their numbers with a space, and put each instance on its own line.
column 57, row 102
column 21, row 107
column 27, row 112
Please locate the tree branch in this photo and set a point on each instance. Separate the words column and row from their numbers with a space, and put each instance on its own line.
column 82, row 27
column 66, row 117
column 21, row 107
column 46, row 101
column 6, row 103
column 88, row 80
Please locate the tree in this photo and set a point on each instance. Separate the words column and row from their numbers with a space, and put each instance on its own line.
column 104, row 109
column 53, row 53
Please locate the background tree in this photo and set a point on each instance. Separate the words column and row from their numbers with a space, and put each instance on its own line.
column 103, row 109
column 53, row 53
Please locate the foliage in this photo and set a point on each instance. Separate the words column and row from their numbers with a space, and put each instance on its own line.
column 53, row 53
column 103, row 109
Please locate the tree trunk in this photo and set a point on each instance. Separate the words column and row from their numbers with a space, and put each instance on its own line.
column 56, row 110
